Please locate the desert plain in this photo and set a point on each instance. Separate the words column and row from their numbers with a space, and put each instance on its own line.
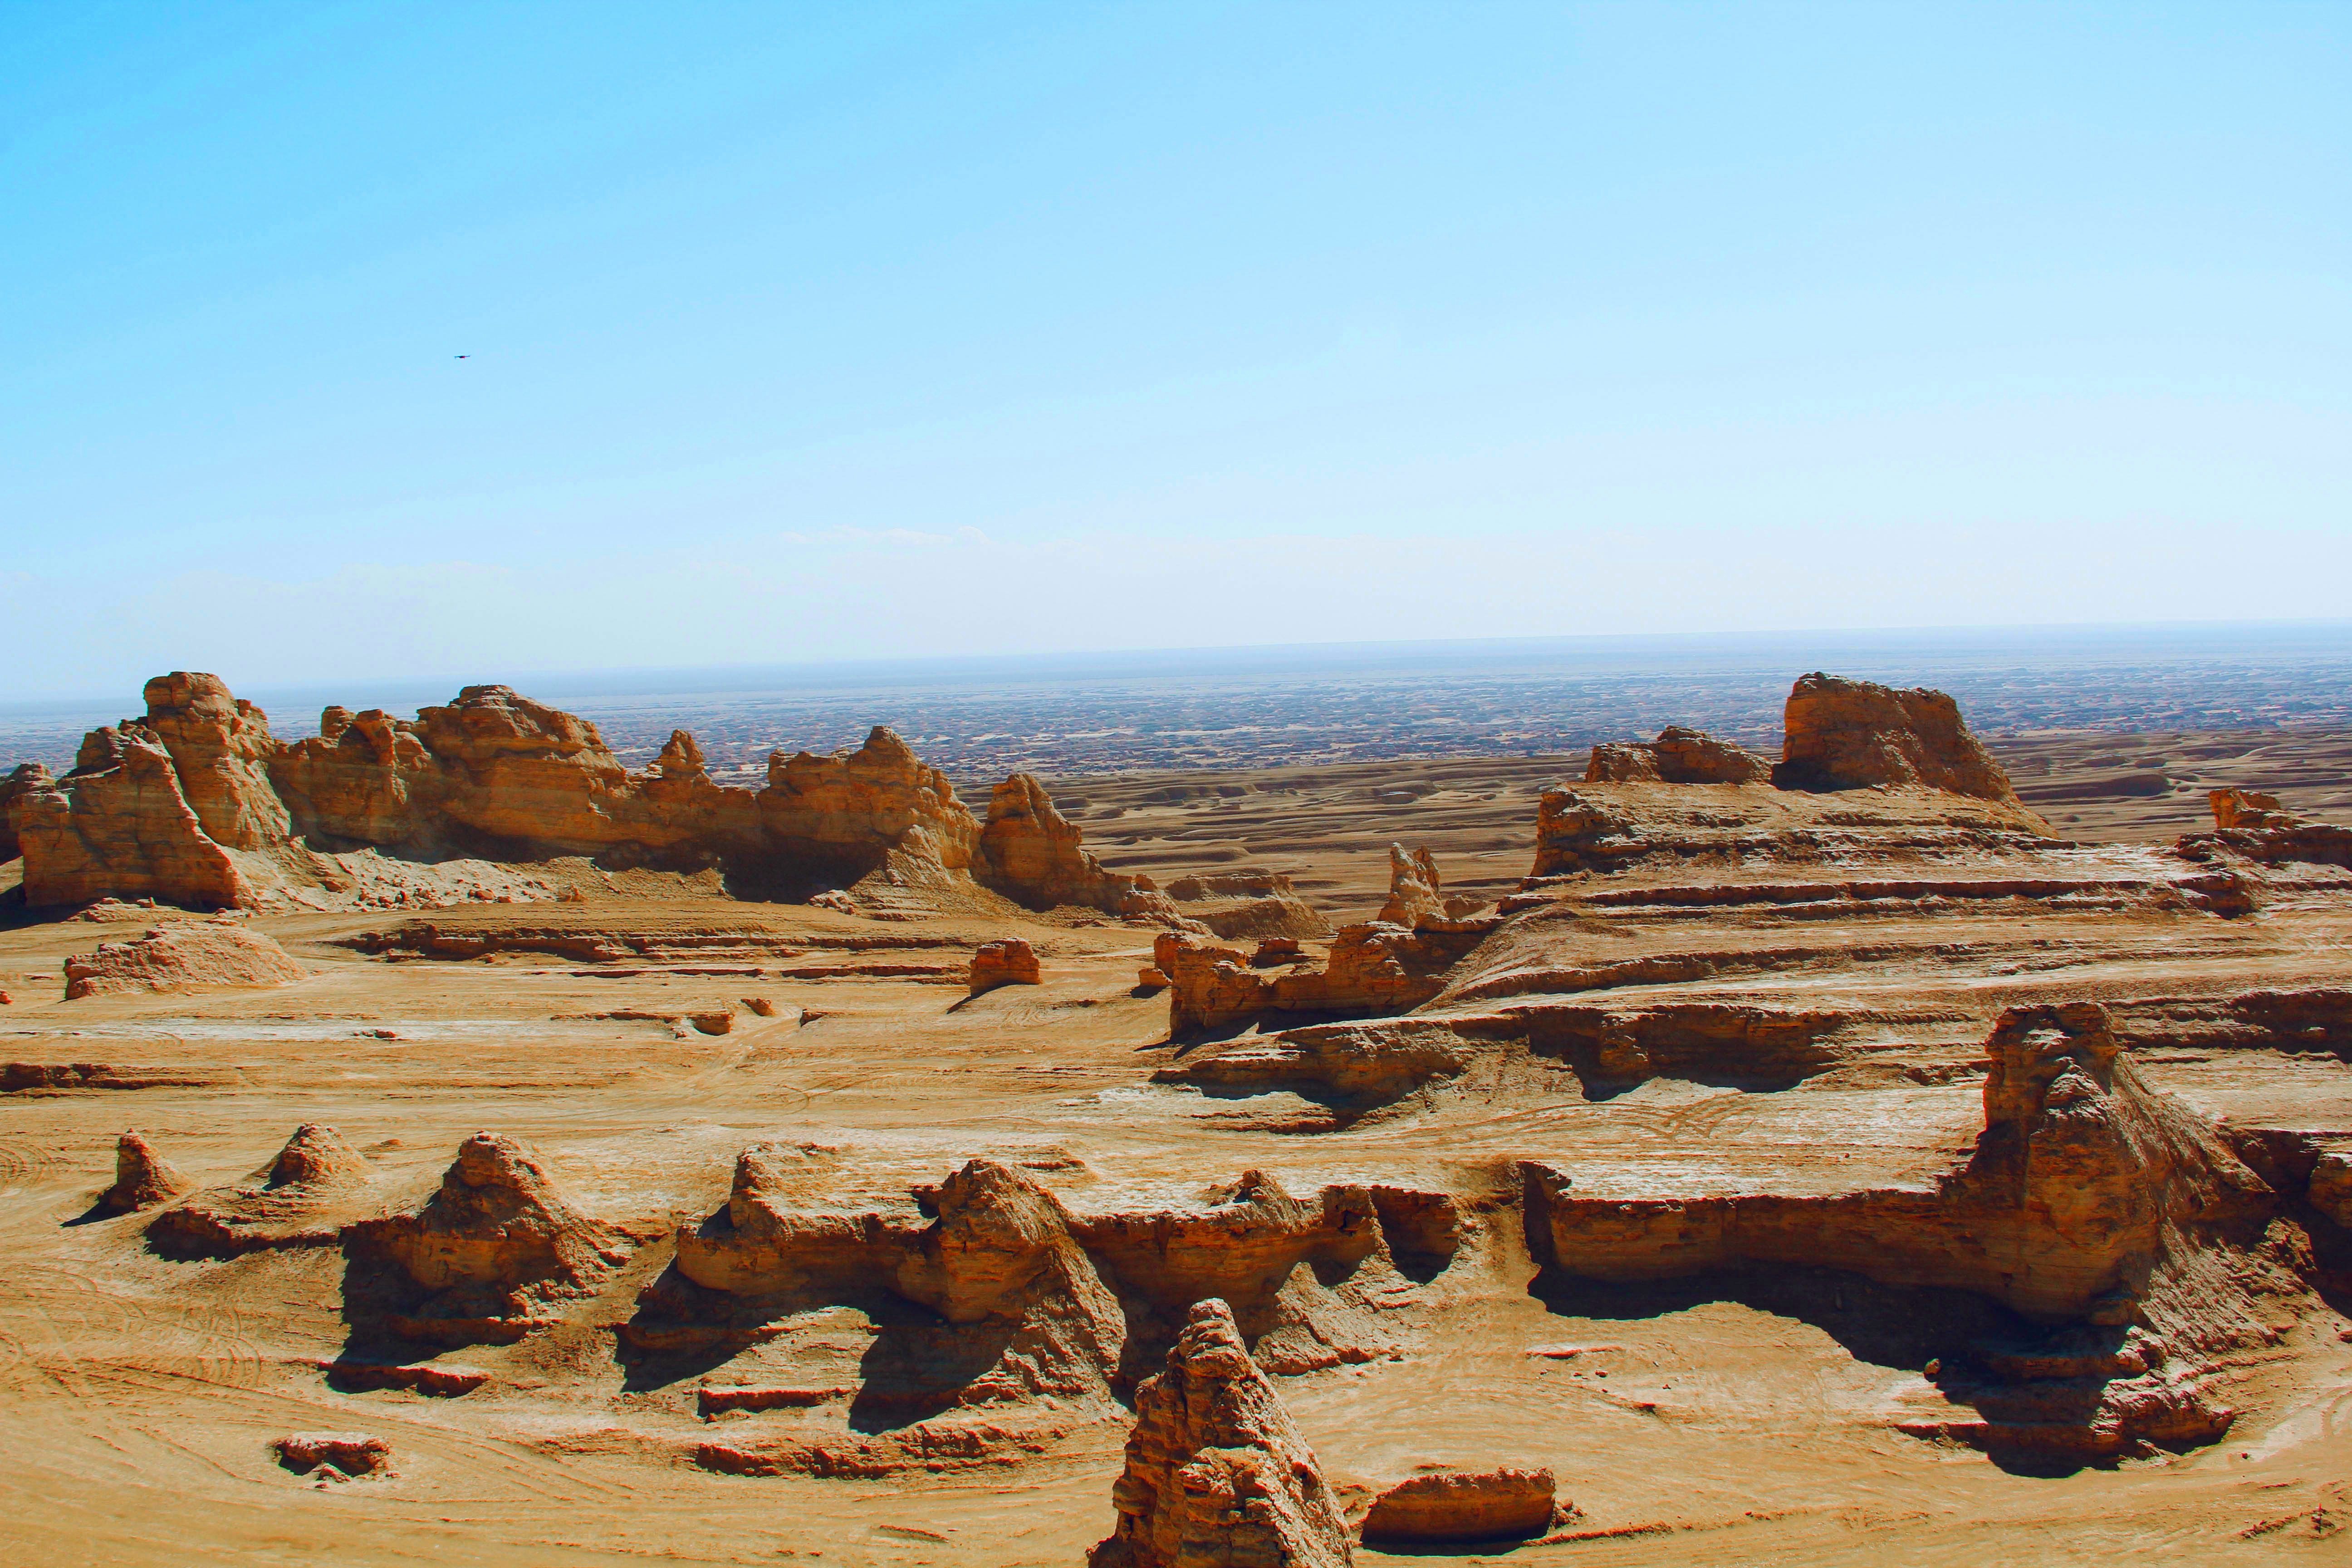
column 1871, row 1146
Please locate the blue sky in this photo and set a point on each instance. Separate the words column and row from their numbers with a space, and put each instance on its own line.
column 809, row 332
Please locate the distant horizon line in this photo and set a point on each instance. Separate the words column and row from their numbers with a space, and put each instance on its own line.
column 1261, row 658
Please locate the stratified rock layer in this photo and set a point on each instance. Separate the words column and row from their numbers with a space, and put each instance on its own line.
column 1676, row 756
column 1504, row 1504
column 142, row 1178
column 1008, row 961
column 1217, row 1475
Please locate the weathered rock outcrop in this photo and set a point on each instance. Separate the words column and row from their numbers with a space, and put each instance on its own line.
column 1856, row 734
column 1676, row 756
column 192, row 955
column 2116, row 1218
column 1006, row 962
column 1504, row 1504
column 299, row 1199
column 25, row 779
column 1373, row 970
column 1217, row 1475
column 221, row 748
column 119, row 825
column 364, row 779
column 142, row 1178
column 858, row 812
column 1030, row 852
column 345, row 1453
column 488, row 1258
column 1415, row 893
column 2256, row 826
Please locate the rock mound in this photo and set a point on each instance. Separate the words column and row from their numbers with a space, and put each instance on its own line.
column 1463, row 1505
column 1008, row 961
column 1677, row 756
column 301, row 1198
column 349, row 1453
column 196, row 955
column 488, row 1257
column 1216, row 1472
column 142, row 1178
column 1856, row 734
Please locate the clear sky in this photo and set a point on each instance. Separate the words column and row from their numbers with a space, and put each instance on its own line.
column 801, row 331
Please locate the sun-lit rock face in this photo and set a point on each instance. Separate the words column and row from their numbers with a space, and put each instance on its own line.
column 119, row 825
column 854, row 811
column 1217, row 1475
column 221, row 748
column 1031, row 853
column 1857, row 734
column 1677, row 756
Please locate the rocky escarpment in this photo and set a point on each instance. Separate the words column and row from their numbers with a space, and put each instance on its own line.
column 1376, row 967
column 196, row 804
column 1021, row 1297
column 2096, row 1211
column 1217, row 1475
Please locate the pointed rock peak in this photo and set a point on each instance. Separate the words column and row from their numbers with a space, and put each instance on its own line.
column 316, row 1153
column 2033, row 1047
column 1217, row 1475
column 142, row 1178
column 991, row 1195
column 681, row 758
column 1415, row 894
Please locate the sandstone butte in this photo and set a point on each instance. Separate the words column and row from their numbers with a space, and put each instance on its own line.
column 1792, row 1133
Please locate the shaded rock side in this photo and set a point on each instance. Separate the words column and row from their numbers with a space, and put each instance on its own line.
column 142, row 1178
column 1503, row 1504
column 119, row 825
column 1217, row 1473
column 193, row 955
column 1843, row 735
column 492, row 1256
column 1031, row 853
column 221, row 747
column 1677, row 756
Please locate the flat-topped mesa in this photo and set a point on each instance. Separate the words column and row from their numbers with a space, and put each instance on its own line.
column 221, row 748
column 878, row 807
column 1856, row 734
column 1676, row 756
column 1217, row 1475
column 119, row 825
column 1031, row 853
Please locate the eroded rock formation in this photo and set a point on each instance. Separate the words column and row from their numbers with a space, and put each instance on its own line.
column 1503, row 1504
column 492, row 1256
column 1217, row 1475
column 192, row 955
column 1415, row 893
column 1008, row 961
column 1677, row 756
column 1029, row 851
column 221, row 747
column 1856, row 734
column 25, row 779
column 299, row 1199
column 2251, row 826
column 119, row 825
column 142, row 1178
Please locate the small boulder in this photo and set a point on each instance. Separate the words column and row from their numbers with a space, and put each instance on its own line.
column 1151, row 979
column 763, row 1006
column 349, row 1453
column 1008, row 961
column 1462, row 1505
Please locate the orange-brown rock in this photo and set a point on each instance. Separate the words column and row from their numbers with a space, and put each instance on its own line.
column 877, row 807
column 1217, row 1475
column 2249, row 823
column 1856, row 734
column 365, row 778
column 221, row 748
column 193, row 955
column 1677, row 756
column 1415, row 893
column 301, row 1198
column 491, row 1256
column 25, row 779
column 1373, row 969
column 142, row 1178
column 1008, row 961
column 1503, row 1504
column 346, row 1453
column 1030, row 852
column 119, row 825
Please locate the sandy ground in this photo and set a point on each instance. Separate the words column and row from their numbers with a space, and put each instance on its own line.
column 138, row 1396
